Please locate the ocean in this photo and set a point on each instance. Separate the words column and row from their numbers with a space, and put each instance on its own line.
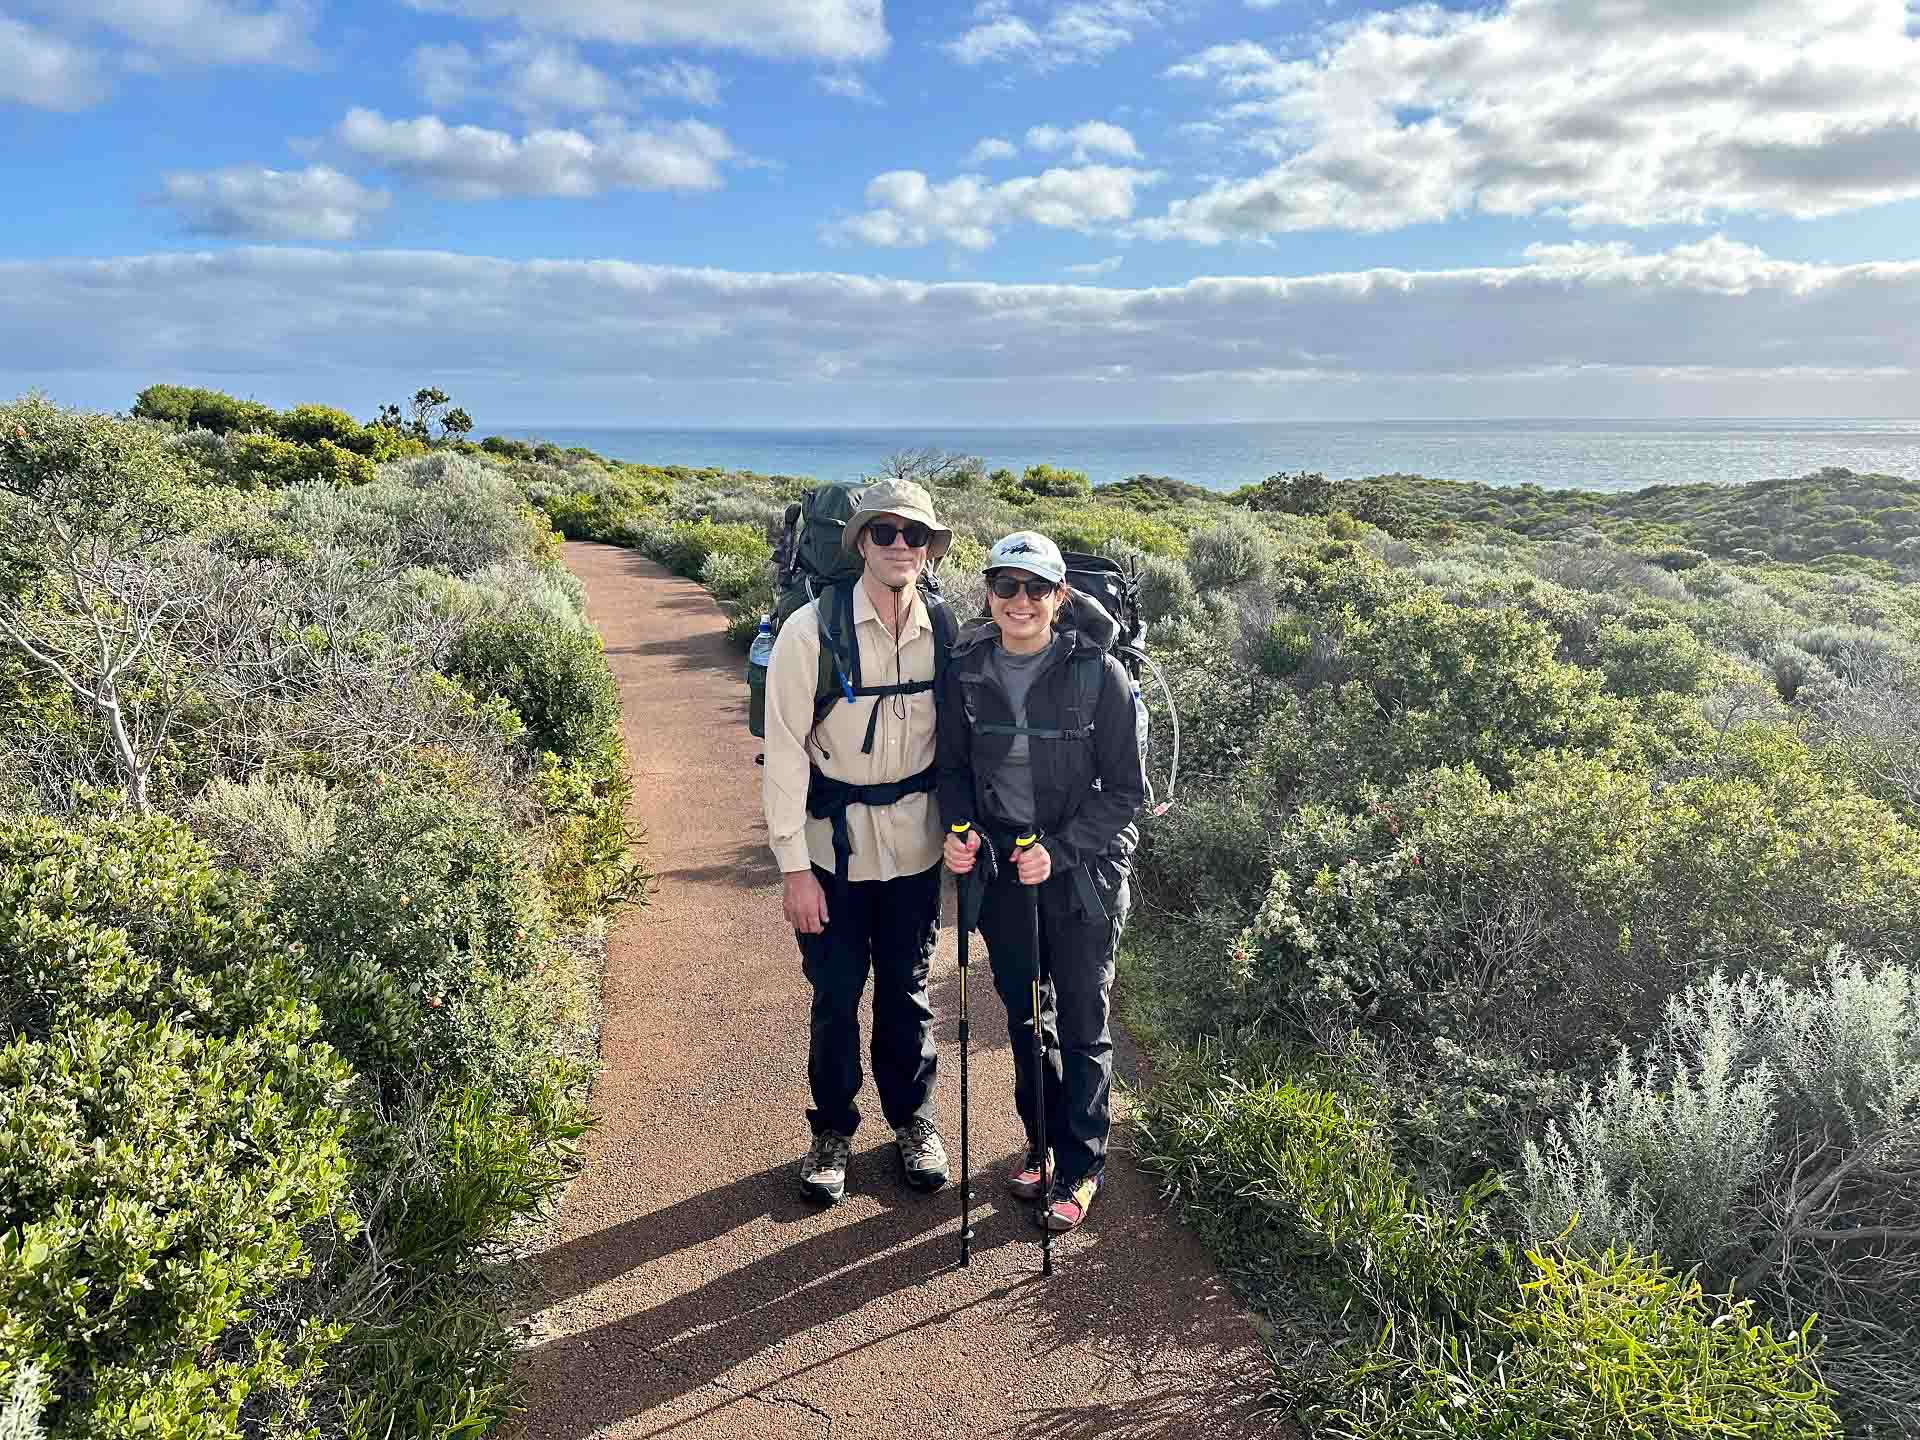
column 1579, row 454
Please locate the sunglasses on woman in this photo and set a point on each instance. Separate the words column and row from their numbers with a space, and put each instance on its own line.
column 1006, row 587
column 883, row 532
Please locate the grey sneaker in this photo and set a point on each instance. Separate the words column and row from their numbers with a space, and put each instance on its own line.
column 823, row 1174
column 923, row 1159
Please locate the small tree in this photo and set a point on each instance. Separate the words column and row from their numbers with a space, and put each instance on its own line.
column 456, row 424
column 101, row 584
column 426, row 408
column 932, row 466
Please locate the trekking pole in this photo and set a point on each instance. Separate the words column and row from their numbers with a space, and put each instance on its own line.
column 1020, row 847
column 966, row 1175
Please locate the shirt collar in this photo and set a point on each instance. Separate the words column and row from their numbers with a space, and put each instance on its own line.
column 916, row 617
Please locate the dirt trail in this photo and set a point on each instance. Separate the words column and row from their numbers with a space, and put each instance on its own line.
column 691, row 1291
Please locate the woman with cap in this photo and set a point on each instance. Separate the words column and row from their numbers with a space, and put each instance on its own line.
column 1037, row 736
column 850, row 815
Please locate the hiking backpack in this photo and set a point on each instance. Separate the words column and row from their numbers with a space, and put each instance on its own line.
column 1117, row 591
column 812, row 565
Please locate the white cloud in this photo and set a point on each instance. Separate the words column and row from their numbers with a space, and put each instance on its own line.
column 991, row 149
column 848, row 86
column 548, row 77
column 1072, row 32
column 1096, row 267
column 253, row 202
column 63, row 67
column 473, row 163
column 1709, row 313
column 44, row 71
column 679, row 80
column 842, row 30
column 222, row 32
column 969, row 212
column 1642, row 112
column 1095, row 137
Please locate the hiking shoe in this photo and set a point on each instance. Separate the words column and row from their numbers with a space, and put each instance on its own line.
column 1067, row 1206
column 923, row 1159
column 1029, row 1178
column 823, row 1174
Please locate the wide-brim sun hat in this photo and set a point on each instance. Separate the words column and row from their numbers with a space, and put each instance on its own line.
column 1031, row 551
column 908, row 500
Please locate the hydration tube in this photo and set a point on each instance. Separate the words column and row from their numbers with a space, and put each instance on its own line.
column 1173, row 775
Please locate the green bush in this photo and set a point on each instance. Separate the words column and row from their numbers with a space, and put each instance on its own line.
column 310, row 424
column 1646, row 662
column 1232, row 551
column 1054, row 481
column 554, row 676
column 417, row 924
column 262, row 461
column 187, row 407
column 688, row 544
column 1289, row 1177
column 169, row 1127
column 1613, row 1348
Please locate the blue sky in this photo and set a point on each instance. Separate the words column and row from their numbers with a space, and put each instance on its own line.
column 1019, row 211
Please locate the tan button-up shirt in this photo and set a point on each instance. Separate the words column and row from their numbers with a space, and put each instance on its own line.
column 888, row 840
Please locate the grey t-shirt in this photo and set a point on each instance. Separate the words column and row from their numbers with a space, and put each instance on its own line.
column 1010, row 788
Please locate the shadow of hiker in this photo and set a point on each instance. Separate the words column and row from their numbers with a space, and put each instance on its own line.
column 650, row 1359
column 749, row 866
column 577, row 1266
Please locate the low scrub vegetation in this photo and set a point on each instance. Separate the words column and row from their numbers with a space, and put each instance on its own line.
column 1528, row 951
column 309, row 786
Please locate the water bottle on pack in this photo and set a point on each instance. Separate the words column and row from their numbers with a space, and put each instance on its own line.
column 758, row 657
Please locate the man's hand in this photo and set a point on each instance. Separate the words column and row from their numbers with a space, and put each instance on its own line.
column 960, row 856
column 804, row 902
column 1034, row 863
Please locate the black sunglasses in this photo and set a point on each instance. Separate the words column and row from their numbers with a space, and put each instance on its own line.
column 1006, row 587
column 883, row 532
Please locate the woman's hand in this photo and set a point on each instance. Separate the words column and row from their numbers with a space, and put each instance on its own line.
column 960, row 855
column 1034, row 863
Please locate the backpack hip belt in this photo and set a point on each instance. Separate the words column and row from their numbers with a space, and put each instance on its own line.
column 828, row 799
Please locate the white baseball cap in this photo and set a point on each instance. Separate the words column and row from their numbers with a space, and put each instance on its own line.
column 1031, row 551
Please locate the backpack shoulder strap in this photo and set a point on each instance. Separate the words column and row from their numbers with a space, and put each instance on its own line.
column 839, row 648
column 946, row 630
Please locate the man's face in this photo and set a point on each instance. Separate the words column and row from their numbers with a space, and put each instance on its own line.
column 896, row 564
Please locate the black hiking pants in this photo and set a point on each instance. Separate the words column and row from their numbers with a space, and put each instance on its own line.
column 1076, row 968
column 887, row 927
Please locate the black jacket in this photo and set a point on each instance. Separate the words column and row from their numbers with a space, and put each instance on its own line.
column 1083, row 824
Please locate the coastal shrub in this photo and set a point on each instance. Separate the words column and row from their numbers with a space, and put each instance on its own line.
column 587, row 843
column 169, row 1128
column 1648, row 661
column 1616, row 1347
column 415, row 925
column 1768, row 1132
column 730, row 577
column 688, row 544
column 1167, row 591
column 1288, row 1176
column 262, row 461
column 188, row 407
column 1231, row 551
column 265, row 822
column 554, row 676
column 310, row 424
column 1055, row 481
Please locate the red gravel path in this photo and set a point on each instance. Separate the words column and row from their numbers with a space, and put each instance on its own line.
column 691, row 1291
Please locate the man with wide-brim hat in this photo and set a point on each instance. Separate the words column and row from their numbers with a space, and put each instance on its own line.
column 852, row 822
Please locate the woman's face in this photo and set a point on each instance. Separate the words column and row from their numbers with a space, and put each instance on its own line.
column 1022, row 618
